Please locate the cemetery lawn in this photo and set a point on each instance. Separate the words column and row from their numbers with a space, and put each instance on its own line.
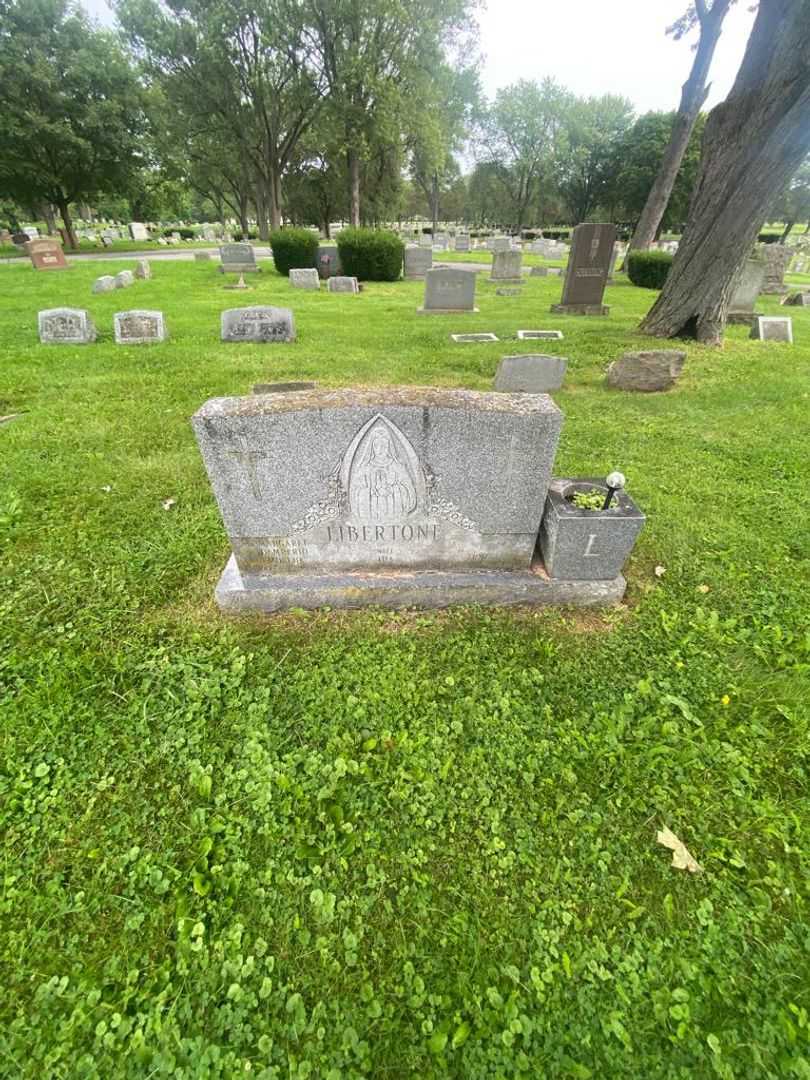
column 375, row 844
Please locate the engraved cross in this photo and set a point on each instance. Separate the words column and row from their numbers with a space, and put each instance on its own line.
column 249, row 459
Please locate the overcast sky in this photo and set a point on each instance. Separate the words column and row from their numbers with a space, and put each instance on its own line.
column 593, row 47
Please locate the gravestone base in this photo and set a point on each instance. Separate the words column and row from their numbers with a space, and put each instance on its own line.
column 447, row 311
column 239, row 593
column 742, row 318
column 580, row 309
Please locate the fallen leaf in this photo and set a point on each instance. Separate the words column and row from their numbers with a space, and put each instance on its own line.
column 9, row 418
column 168, row 503
column 660, row 571
column 681, row 857
column 107, row 488
column 704, row 588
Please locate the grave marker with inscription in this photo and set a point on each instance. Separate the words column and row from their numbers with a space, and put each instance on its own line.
column 138, row 231
column 139, row 327
column 305, row 279
column 66, row 326
column 344, row 284
column 448, row 291
column 398, row 496
column 587, row 271
column 258, row 325
column 237, row 259
column 507, row 266
column 748, row 287
column 328, row 260
column 530, row 374
column 772, row 328
column 416, row 262
column 777, row 259
column 46, row 254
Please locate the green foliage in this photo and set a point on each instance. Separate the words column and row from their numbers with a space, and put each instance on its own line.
column 71, row 118
column 396, row 844
column 370, row 254
column 294, row 249
column 648, row 269
column 588, row 500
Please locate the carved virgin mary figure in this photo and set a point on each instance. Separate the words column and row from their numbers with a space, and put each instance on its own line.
column 380, row 487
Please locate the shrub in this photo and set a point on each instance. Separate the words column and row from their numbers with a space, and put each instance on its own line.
column 370, row 254
column 648, row 269
column 185, row 233
column 769, row 238
column 294, row 249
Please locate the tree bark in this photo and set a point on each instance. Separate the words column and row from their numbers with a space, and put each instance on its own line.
column 50, row 220
column 64, row 211
column 693, row 95
column 261, row 209
column 275, row 199
column 353, row 163
column 753, row 144
column 434, row 202
column 787, row 231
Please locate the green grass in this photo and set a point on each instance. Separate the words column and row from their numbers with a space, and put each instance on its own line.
column 397, row 845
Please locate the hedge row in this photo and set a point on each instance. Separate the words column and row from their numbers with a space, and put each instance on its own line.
column 648, row 269
column 370, row 254
column 294, row 249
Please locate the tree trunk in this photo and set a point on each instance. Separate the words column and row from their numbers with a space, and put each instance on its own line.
column 788, row 230
column 261, row 209
column 64, row 211
column 48, row 215
column 753, row 144
column 693, row 94
column 434, row 202
column 243, row 216
column 353, row 163
column 275, row 199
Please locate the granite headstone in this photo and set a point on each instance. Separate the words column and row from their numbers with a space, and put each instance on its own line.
column 139, row 327
column 237, row 259
column 66, row 326
column 448, row 291
column 258, row 325
column 587, row 270
column 530, row 374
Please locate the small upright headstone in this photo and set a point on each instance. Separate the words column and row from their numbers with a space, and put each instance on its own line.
column 66, row 326
column 105, row 283
column 499, row 243
column 416, row 262
column 507, row 266
column 648, row 371
column 777, row 260
column 305, row 279
column 530, row 374
column 237, row 259
column 138, row 231
column 202, row 256
column 799, row 299
column 46, row 254
column 344, row 284
column 538, row 271
column 328, row 260
column 124, row 278
column 586, row 274
column 139, row 327
column 748, row 287
column 258, row 325
column 143, row 269
column 462, row 242
column 772, row 328
column 448, row 291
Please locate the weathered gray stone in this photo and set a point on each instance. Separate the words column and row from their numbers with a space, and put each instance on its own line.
column 462, row 242
column 473, row 339
column 499, row 243
column 238, row 593
column 747, row 289
column 416, row 262
column 66, row 326
column 538, row 271
column 202, row 256
column 448, row 291
column 138, row 231
column 237, row 259
column 124, row 278
column 530, row 374
column 539, row 335
column 509, row 292
column 799, row 299
column 282, row 387
column 587, row 545
column 381, row 483
column 139, row 327
column 777, row 259
column 305, row 279
column 328, row 260
column 648, row 371
column 258, row 325
column 143, row 269
column 772, row 328
column 105, row 283
column 586, row 273
column 344, row 284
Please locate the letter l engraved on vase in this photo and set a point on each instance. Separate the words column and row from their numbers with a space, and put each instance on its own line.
column 589, row 553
